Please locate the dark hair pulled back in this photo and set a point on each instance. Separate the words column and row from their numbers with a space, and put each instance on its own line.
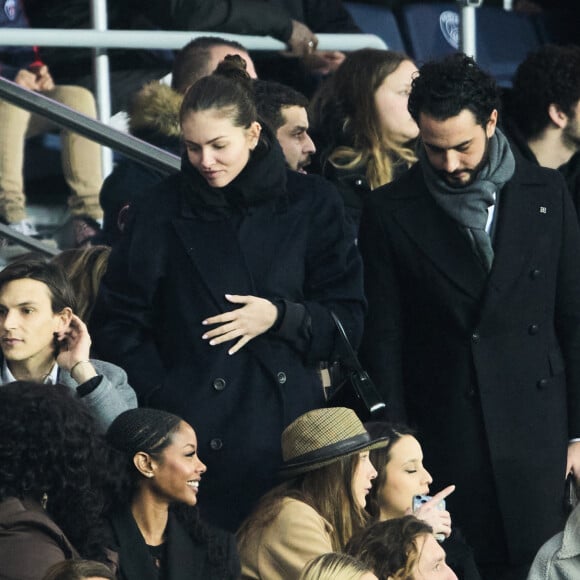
column 228, row 89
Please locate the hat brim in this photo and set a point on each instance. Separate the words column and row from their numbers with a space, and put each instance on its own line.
column 298, row 467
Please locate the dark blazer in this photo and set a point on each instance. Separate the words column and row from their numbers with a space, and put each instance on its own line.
column 186, row 559
column 487, row 366
column 172, row 270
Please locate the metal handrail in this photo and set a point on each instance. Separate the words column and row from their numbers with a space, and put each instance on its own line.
column 64, row 116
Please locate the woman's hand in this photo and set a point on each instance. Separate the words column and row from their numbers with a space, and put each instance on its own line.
column 74, row 347
column 438, row 519
column 256, row 316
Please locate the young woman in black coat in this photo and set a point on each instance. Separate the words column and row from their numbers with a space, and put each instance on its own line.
column 155, row 526
column 218, row 300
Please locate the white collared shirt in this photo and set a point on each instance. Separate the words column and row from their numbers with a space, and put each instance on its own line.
column 8, row 377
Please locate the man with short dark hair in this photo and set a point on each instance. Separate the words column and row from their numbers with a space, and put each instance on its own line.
column 43, row 340
column 545, row 111
column 284, row 110
column 473, row 329
column 200, row 58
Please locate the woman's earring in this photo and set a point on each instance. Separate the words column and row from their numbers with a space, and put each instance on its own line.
column 44, row 500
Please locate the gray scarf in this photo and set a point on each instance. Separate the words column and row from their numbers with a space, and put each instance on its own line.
column 468, row 205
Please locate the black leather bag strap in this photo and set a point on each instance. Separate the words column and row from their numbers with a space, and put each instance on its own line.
column 362, row 393
column 350, row 358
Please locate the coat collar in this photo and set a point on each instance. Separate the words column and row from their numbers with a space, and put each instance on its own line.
column 183, row 556
column 438, row 237
column 519, row 217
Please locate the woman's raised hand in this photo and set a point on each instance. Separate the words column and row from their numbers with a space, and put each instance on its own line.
column 254, row 317
column 431, row 513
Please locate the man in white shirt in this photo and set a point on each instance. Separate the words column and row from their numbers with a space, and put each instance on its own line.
column 43, row 340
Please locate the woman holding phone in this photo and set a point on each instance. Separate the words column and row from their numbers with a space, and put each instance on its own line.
column 402, row 488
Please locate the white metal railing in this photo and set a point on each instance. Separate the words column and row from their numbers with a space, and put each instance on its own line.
column 102, row 38
column 99, row 21
column 167, row 39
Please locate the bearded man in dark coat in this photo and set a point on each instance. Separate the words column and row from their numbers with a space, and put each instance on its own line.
column 473, row 329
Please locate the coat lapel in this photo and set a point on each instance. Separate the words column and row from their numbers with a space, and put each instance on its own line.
column 134, row 557
column 186, row 560
column 231, row 263
column 221, row 264
column 519, row 221
column 442, row 242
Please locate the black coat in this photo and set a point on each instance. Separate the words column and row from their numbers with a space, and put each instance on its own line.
column 187, row 559
column 172, row 270
column 487, row 366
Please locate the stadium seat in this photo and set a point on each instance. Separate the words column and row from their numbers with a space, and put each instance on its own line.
column 430, row 30
column 373, row 19
column 503, row 38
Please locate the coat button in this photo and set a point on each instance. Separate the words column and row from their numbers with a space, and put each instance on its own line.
column 542, row 383
column 472, row 391
column 533, row 329
column 216, row 444
column 219, row 384
column 535, row 274
column 475, row 337
column 281, row 377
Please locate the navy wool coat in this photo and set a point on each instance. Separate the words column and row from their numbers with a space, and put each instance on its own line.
column 173, row 270
column 487, row 366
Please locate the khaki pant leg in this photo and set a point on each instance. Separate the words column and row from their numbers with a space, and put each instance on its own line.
column 81, row 157
column 14, row 123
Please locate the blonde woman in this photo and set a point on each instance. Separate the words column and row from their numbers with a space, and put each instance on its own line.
column 335, row 566
column 366, row 132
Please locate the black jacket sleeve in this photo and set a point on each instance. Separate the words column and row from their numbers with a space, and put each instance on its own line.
column 236, row 16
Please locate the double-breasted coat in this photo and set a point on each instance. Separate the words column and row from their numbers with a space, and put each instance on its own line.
column 485, row 365
column 173, row 271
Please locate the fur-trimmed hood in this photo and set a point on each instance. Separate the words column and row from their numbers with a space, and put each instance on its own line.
column 155, row 111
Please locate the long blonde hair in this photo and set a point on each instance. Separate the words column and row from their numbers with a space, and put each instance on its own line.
column 345, row 110
column 328, row 490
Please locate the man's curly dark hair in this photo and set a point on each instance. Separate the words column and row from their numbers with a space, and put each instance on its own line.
column 446, row 87
column 50, row 448
column 550, row 75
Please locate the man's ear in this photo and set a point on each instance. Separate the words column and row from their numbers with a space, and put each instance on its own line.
column 557, row 116
column 64, row 316
column 491, row 124
column 144, row 464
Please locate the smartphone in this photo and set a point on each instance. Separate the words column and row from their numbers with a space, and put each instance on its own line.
column 419, row 500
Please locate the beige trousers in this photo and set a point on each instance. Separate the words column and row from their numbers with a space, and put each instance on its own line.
column 81, row 157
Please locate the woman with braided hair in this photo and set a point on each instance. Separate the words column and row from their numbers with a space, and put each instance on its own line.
column 155, row 526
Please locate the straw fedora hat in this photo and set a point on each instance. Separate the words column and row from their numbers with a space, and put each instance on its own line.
column 323, row 436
